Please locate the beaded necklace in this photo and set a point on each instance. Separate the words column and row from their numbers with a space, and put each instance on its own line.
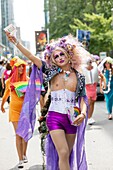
column 66, row 74
column 109, row 81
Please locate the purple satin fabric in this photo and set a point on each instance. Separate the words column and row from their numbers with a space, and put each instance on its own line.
column 28, row 113
column 80, row 147
column 57, row 120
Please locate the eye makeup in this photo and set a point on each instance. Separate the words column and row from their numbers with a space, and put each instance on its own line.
column 58, row 55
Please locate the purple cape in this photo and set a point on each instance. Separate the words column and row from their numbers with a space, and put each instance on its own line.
column 28, row 113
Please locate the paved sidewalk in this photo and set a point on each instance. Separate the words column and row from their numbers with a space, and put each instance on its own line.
column 99, row 140
column 8, row 154
column 99, row 144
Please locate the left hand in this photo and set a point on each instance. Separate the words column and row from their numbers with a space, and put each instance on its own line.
column 79, row 119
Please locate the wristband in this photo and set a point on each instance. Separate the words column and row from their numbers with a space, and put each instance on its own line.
column 84, row 115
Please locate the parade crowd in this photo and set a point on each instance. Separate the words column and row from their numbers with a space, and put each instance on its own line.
column 64, row 82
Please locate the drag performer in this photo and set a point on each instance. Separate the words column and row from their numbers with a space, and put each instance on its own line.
column 107, row 69
column 65, row 148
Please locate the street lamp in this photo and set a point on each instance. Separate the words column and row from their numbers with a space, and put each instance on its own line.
column 112, row 17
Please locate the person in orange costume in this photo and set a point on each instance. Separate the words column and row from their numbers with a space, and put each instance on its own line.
column 18, row 74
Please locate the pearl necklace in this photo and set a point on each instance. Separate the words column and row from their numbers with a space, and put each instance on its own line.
column 108, row 85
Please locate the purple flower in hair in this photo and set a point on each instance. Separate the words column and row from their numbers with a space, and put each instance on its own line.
column 61, row 43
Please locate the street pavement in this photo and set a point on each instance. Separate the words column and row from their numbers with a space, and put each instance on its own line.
column 99, row 140
column 99, row 143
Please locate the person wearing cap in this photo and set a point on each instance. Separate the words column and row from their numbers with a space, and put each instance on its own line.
column 67, row 88
column 18, row 74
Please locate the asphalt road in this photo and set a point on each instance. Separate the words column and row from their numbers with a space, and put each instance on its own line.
column 99, row 143
column 99, row 140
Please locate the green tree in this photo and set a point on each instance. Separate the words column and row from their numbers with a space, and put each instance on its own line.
column 62, row 13
column 65, row 16
column 101, row 33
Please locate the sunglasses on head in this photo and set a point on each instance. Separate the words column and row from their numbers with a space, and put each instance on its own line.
column 57, row 55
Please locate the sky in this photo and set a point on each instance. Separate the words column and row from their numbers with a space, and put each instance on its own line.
column 29, row 16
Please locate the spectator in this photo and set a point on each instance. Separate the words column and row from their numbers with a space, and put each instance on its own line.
column 91, row 78
column 107, row 69
column 2, row 68
column 6, row 74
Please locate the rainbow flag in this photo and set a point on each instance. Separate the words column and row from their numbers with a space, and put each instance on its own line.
column 37, row 82
column 76, row 111
column 21, row 87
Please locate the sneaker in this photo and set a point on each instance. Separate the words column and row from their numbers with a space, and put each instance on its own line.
column 91, row 121
column 110, row 117
column 20, row 165
column 25, row 160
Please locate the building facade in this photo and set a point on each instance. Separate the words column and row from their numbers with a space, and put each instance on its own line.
column 7, row 17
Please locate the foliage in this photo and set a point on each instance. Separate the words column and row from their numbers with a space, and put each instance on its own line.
column 62, row 14
column 65, row 16
column 101, row 33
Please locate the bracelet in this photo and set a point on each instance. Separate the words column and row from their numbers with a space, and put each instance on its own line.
column 16, row 42
column 84, row 115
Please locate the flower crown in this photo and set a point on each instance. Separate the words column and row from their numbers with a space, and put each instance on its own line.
column 72, row 47
column 61, row 43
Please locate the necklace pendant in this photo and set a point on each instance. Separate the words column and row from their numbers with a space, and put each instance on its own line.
column 65, row 77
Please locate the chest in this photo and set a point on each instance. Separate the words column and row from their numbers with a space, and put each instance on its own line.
column 61, row 81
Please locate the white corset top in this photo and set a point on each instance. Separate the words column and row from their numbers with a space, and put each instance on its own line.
column 61, row 100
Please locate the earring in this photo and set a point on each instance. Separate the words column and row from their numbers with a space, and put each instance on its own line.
column 69, row 61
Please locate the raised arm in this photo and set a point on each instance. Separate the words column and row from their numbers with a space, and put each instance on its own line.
column 36, row 60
